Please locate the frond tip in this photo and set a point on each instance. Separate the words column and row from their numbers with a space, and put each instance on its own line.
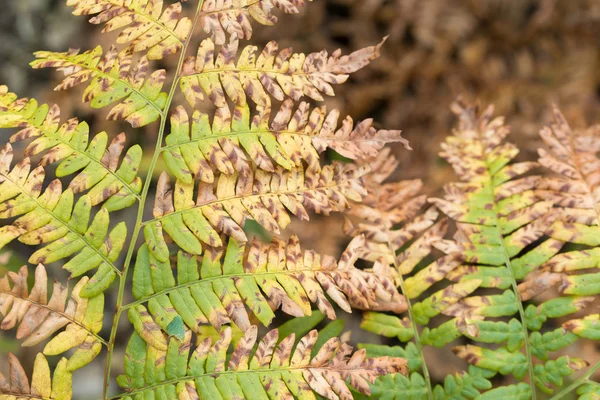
column 38, row 319
column 281, row 370
column 43, row 385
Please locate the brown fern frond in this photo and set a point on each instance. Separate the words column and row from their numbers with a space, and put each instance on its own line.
column 233, row 17
column 38, row 318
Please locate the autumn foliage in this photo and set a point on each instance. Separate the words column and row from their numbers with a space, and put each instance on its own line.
column 239, row 139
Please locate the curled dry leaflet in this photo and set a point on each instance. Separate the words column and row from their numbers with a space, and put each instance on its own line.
column 512, row 292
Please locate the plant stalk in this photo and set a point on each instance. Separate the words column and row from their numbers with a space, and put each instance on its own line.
column 142, row 204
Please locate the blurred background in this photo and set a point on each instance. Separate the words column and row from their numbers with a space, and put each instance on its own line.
column 521, row 55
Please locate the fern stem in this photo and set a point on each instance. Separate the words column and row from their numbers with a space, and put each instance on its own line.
column 573, row 386
column 141, row 206
column 515, row 288
column 416, row 334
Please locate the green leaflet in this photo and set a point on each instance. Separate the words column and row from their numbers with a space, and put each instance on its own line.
column 273, row 370
column 224, row 206
column 221, row 286
column 292, row 137
column 54, row 219
column 97, row 161
column 139, row 98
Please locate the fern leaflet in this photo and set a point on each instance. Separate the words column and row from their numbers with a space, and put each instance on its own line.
column 147, row 26
column 291, row 138
column 275, row 370
column 114, row 79
column 43, row 384
column 273, row 73
column 222, row 17
column 38, row 319
column 261, row 277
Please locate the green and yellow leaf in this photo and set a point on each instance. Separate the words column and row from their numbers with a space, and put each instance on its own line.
column 233, row 140
column 114, row 80
column 54, row 219
column 276, row 369
column 219, row 288
column 97, row 161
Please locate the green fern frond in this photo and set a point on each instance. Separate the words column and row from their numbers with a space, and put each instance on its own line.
column 224, row 206
column 273, row 73
column 275, row 370
column 258, row 276
column 37, row 319
column 146, row 24
column 114, row 79
column 503, row 228
column 97, row 161
column 222, row 17
column 43, row 385
column 292, row 137
column 54, row 219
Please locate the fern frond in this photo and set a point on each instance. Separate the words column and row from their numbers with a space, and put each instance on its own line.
column 258, row 276
column 274, row 72
column 37, row 319
column 224, row 206
column 114, row 79
column 502, row 225
column 146, row 24
column 275, row 370
column 97, row 160
column 43, row 385
column 52, row 218
column 292, row 137
column 233, row 17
